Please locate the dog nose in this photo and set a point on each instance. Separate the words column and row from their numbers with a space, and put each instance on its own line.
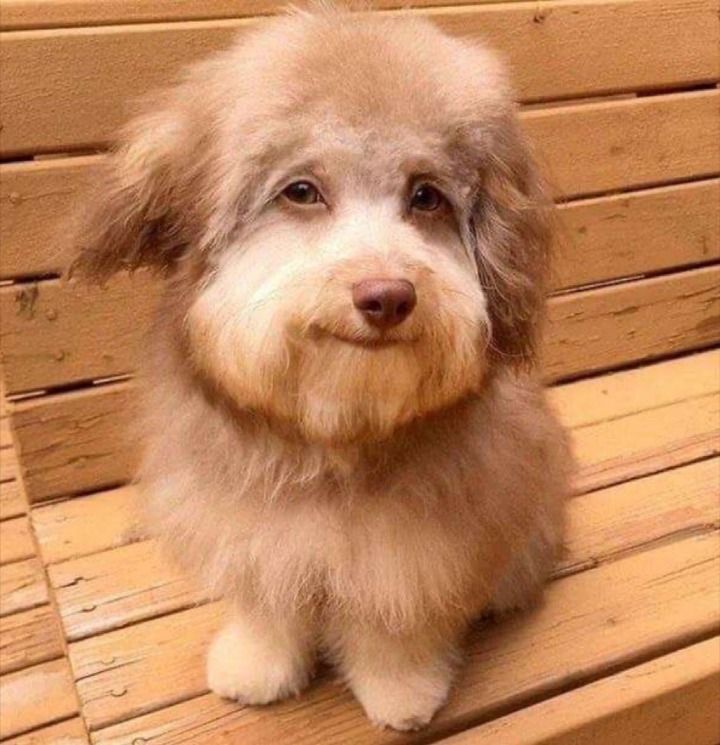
column 384, row 302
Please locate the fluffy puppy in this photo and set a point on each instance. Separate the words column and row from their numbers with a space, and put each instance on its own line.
column 344, row 431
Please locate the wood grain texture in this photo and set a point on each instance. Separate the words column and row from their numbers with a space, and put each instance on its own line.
column 9, row 467
column 611, row 145
column 58, row 434
column 671, row 700
column 55, row 334
column 12, row 499
column 55, row 331
column 5, row 432
column 28, row 638
column 107, row 590
column 22, row 586
column 28, row 14
column 113, row 588
column 70, row 732
column 641, row 513
column 134, row 670
column 37, row 199
column 51, row 683
column 85, row 525
column 642, row 421
column 611, row 326
column 640, row 232
column 591, row 623
column 75, row 442
column 79, row 94
column 15, row 540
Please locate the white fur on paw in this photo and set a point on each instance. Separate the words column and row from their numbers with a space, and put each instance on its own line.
column 254, row 671
column 403, row 704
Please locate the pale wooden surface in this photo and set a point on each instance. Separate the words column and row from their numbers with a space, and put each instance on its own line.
column 22, row 586
column 36, row 686
column 15, row 540
column 28, row 638
column 79, row 94
column 23, row 14
column 69, row 732
column 671, row 700
column 31, row 697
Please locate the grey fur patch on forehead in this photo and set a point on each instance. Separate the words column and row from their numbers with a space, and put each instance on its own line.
column 382, row 65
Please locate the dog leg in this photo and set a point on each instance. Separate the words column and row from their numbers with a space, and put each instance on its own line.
column 256, row 659
column 400, row 680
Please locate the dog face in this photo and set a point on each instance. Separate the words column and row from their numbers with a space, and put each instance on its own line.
column 352, row 212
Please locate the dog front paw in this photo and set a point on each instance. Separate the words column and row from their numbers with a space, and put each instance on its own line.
column 404, row 704
column 254, row 670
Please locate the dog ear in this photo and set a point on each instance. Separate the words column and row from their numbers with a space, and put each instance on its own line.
column 132, row 215
column 512, row 229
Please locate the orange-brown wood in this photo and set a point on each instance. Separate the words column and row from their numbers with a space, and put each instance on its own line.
column 671, row 700
column 22, row 586
column 36, row 696
column 28, row 638
column 69, row 88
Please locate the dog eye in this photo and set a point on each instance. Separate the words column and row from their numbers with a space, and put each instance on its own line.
column 426, row 198
column 302, row 192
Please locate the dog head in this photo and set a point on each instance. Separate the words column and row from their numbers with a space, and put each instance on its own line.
column 352, row 211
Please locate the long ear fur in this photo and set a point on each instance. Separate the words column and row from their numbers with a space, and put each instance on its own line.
column 512, row 226
column 132, row 215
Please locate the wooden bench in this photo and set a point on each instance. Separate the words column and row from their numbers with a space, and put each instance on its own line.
column 102, row 641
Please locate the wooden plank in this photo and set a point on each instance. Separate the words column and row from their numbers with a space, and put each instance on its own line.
column 15, row 540
column 57, row 432
column 629, row 392
column 634, row 449
column 36, row 198
column 140, row 668
column 50, row 683
column 22, row 586
column 28, row 14
column 611, row 326
column 28, row 638
column 56, row 334
column 640, row 232
column 113, row 588
column 641, row 513
column 5, row 433
column 642, row 421
column 75, row 442
column 590, row 624
column 12, row 500
column 78, row 96
column 671, row 700
column 9, row 467
column 70, row 732
column 85, row 525
column 610, row 145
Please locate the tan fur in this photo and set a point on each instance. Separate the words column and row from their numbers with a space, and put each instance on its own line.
column 356, row 494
